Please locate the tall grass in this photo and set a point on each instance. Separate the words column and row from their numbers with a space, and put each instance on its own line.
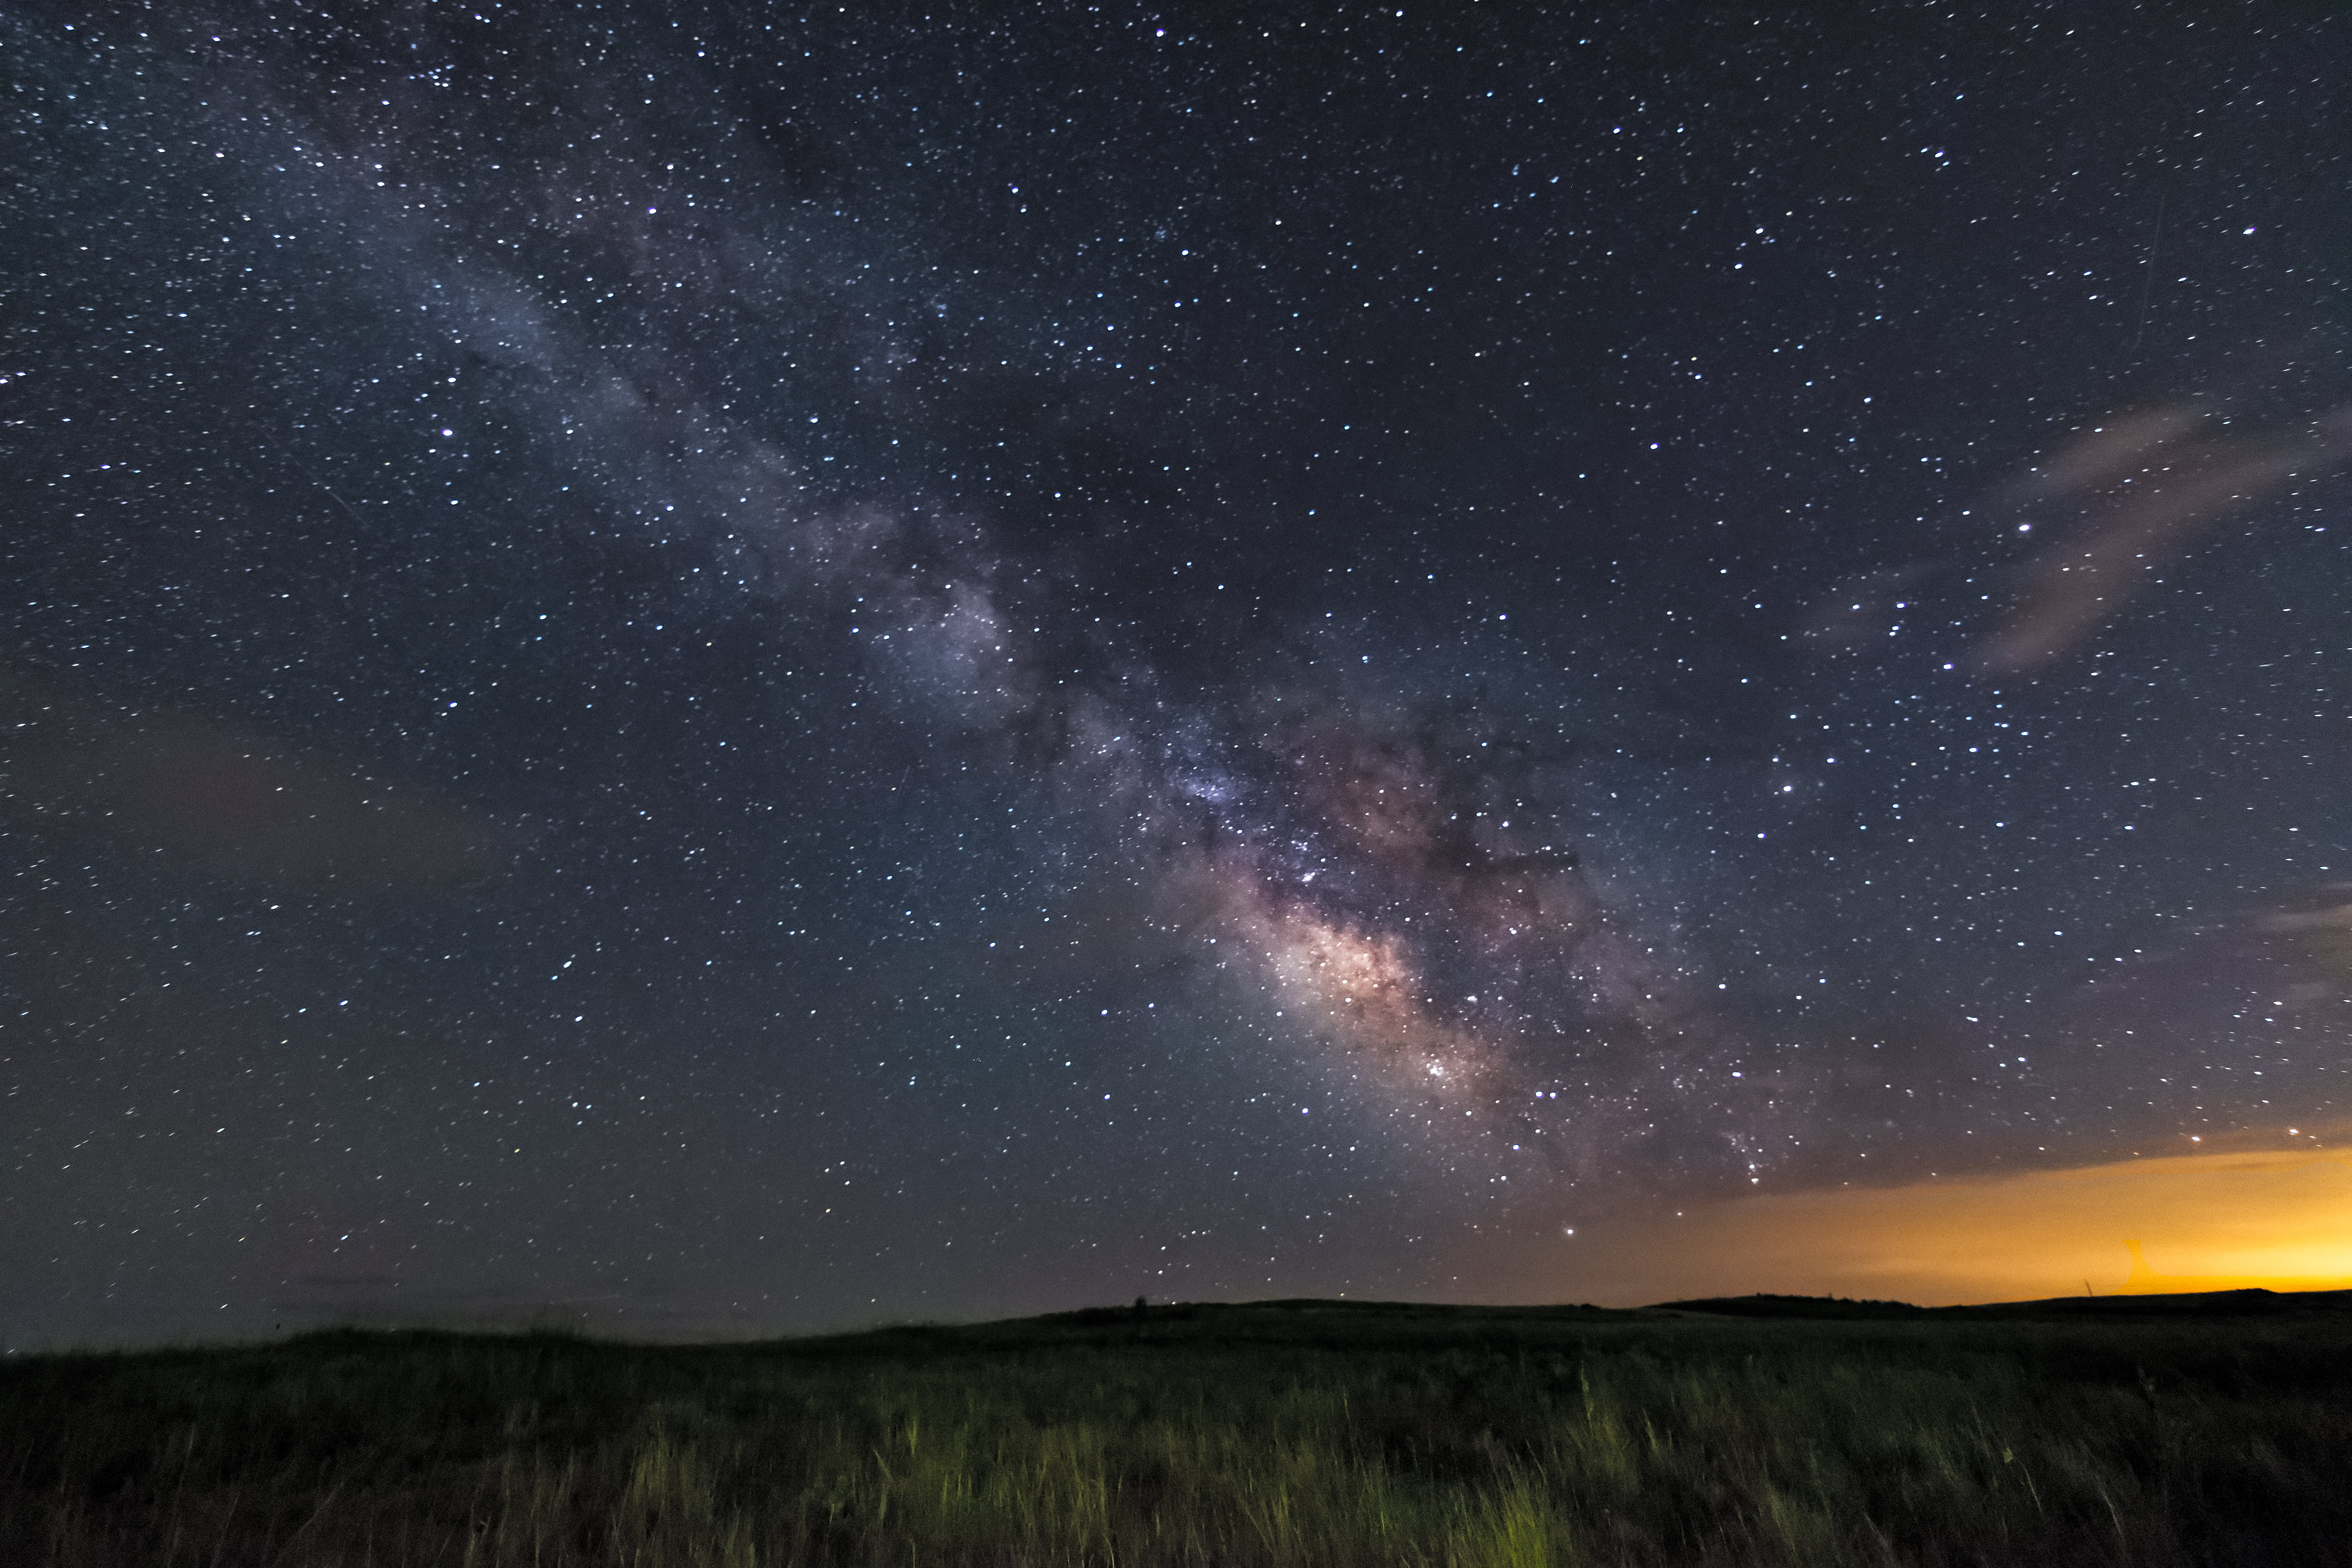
column 1244, row 1436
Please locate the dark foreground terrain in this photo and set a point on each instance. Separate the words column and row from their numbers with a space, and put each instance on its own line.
column 1763, row 1430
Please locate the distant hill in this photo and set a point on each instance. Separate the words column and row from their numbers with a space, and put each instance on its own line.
column 2247, row 1303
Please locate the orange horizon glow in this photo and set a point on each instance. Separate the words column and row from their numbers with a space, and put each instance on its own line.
column 2272, row 1219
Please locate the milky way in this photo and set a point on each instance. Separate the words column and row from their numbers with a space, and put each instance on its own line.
column 737, row 670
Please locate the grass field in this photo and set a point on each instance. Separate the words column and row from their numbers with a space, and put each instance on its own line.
column 1299, row 1432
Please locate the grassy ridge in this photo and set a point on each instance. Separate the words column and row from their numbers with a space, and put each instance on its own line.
column 1303, row 1434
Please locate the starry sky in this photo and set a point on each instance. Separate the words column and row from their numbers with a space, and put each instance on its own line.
column 739, row 668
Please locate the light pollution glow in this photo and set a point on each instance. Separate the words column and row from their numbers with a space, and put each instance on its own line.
column 2279, row 1220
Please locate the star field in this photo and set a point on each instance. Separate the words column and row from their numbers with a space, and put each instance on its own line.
column 744, row 667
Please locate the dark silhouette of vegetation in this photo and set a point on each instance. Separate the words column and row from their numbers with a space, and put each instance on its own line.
column 1305, row 1432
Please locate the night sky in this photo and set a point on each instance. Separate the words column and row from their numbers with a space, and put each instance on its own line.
column 743, row 668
